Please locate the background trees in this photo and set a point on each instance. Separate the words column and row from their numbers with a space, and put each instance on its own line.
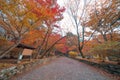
column 94, row 20
column 104, row 17
column 77, row 10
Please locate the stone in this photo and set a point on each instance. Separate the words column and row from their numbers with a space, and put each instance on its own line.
column 5, row 74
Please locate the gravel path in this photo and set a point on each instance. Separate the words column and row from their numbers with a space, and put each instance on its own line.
column 63, row 69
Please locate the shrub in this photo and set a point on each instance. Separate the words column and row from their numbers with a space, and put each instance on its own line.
column 107, row 49
column 73, row 54
column 3, row 44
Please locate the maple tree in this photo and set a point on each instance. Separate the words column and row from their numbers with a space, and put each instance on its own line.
column 18, row 17
column 103, row 20
column 34, row 37
column 97, row 47
column 49, row 10
column 61, row 46
column 52, row 14
column 104, row 17
column 14, row 20
column 51, row 46
column 42, row 40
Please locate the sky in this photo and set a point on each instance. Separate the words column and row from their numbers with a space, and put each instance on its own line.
column 66, row 23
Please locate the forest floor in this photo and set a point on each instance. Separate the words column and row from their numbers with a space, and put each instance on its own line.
column 7, row 63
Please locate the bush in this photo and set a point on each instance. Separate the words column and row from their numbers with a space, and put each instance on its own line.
column 3, row 42
column 107, row 49
column 73, row 54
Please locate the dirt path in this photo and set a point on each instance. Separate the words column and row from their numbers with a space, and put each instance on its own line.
column 63, row 69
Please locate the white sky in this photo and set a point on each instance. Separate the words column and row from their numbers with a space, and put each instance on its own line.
column 66, row 23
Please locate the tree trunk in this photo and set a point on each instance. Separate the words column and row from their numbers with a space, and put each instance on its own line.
column 79, row 46
column 45, row 53
column 40, row 46
column 4, row 53
column 80, row 51
column 111, row 34
column 104, row 36
column 38, row 52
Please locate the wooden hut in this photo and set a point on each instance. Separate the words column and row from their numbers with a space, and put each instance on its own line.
column 26, row 51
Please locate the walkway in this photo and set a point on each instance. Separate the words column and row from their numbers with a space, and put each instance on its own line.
column 64, row 69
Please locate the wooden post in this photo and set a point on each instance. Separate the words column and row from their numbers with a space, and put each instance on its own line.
column 20, row 56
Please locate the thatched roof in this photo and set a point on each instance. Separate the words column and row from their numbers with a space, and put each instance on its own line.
column 25, row 46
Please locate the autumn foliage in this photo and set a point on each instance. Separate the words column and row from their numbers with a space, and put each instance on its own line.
column 29, row 22
column 35, row 23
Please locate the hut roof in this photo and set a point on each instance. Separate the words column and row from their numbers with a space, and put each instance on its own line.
column 21, row 45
